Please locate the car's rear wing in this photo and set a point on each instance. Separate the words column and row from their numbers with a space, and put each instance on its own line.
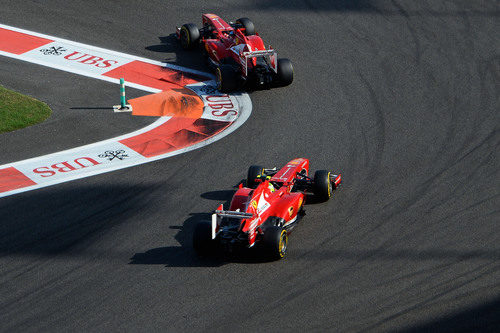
column 233, row 214
column 220, row 213
column 271, row 56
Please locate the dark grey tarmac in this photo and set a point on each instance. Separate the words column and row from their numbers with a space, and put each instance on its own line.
column 402, row 97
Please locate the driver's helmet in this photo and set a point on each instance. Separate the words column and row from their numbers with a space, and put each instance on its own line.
column 271, row 187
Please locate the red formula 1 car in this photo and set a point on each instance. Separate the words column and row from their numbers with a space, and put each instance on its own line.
column 263, row 213
column 237, row 53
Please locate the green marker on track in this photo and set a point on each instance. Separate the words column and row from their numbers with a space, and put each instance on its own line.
column 123, row 102
column 123, row 107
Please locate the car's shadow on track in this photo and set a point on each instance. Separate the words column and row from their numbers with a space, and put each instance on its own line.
column 177, row 256
column 54, row 220
column 312, row 199
column 185, row 256
column 190, row 59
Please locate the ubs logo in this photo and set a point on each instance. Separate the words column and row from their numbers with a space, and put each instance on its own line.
column 66, row 166
column 111, row 155
column 89, row 59
column 53, row 50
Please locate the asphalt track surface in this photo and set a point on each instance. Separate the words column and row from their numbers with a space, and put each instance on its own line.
column 401, row 96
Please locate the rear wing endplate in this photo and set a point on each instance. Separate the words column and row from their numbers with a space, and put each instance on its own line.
column 271, row 55
column 220, row 213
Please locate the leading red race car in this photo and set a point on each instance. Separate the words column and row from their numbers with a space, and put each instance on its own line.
column 264, row 213
column 237, row 53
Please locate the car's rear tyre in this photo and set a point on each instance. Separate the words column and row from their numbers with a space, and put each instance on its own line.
column 285, row 72
column 275, row 242
column 227, row 78
column 254, row 172
column 203, row 243
column 190, row 36
column 248, row 25
column 322, row 186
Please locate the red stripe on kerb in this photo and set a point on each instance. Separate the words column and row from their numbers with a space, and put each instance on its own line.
column 175, row 134
column 19, row 43
column 154, row 76
column 11, row 179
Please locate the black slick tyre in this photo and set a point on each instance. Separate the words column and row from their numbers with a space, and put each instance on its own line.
column 322, row 186
column 227, row 80
column 189, row 36
column 275, row 242
column 248, row 25
column 285, row 72
column 203, row 243
column 254, row 172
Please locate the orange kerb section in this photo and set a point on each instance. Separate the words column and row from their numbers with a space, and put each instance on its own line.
column 180, row 102
column 19, row 43
column 175, row 134
column 154, row 76
column 11, row 179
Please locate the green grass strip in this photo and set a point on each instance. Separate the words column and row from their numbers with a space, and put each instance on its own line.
column 19, row 111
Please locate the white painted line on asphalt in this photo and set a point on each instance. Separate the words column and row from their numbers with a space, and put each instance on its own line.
column 77, row 71
column 100, row 49
column 110, row 155
column 244, row 106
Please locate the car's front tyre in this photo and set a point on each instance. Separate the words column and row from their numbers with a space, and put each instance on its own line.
column 322, row 186
column 254, row 172
column 189, row 36
column 248, row 25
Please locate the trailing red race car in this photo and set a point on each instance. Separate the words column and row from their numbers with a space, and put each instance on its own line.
column 237, row 53
column 264, row 213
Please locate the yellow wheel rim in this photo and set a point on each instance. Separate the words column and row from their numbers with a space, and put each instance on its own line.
column 329, row 186
column 186, row 33
column 283, row 243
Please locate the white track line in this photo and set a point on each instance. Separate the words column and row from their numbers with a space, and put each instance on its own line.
column 242, row 101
